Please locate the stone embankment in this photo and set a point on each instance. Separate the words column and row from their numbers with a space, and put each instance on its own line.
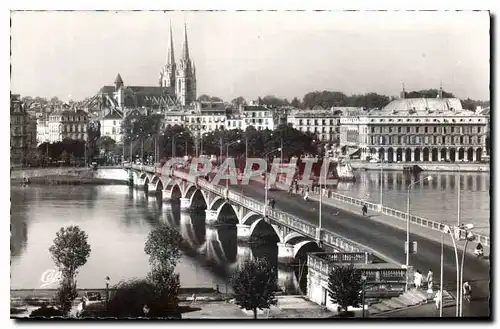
column 69, row 176
column 444, row 167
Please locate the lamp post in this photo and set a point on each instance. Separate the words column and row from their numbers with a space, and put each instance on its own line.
column 363, row 280
column 448, row 230
column 408, row 224
column 469, row 236
column 441, row 277
column 458, row 195
column 381, row 184
column 266, row 182
column 107, row 279
column 227, row 157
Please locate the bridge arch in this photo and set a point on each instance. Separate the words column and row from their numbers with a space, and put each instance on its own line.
column 268, row 227
column 216, row 203
column 292, row 236
column 302, row 245
column 250, row 218
column 198, row 200
column 176, row 192
column 157, row 181
column 227, row 214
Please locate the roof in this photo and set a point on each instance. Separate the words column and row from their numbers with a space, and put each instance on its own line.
column 422, row 107
column 254, row 108
column 72, row 112
column 113, row 116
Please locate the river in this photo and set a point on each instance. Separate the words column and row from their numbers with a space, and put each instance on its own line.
column 117, row 220
column 436, row 199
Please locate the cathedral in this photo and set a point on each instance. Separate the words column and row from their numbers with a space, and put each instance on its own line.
column 177, row 87
column 182, row 78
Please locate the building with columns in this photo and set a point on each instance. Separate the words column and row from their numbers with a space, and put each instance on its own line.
column 424, row 130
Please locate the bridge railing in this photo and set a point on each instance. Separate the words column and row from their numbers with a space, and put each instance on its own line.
column 305, row 228
column 382, row 273
column 485, row 240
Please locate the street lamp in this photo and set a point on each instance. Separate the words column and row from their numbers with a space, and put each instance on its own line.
column 468, row 236
column 266, row 182
column 107, row 279
column 441, row 276
column 227, row 157
column 458, row 194
column 363, row 280
column 429, row 178
column 381, row 183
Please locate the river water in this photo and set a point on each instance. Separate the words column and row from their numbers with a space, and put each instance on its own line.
column 436, row 199
column 117, row 220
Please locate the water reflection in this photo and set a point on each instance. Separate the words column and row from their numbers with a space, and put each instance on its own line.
column 117, row 223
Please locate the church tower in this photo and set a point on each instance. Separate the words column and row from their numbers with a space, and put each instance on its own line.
column 185, row 76
column 167, row 75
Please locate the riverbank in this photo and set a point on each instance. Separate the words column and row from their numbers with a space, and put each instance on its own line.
column 67, row 180
column 69, row 176
column 427, row 167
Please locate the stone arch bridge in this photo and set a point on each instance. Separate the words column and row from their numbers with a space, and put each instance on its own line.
column 292, row 235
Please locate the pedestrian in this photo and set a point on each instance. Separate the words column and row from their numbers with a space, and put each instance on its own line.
column 194, row 299
column 273, row 202
column 430, row 278
column 438, row 298
column 418, row 279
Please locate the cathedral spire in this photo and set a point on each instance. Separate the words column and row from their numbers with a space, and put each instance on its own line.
column 170, row 51
column 403, row 92
column 185, row 48
column 440, row 93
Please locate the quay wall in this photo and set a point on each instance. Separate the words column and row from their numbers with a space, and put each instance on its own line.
column 444, row 167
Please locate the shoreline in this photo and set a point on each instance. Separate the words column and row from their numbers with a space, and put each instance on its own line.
column 66, row 180
column 426, row 167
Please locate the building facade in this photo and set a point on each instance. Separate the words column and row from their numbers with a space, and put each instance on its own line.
column 18, row 134
column 74, row 125
column 428, row 130
column 324, row 123
column 111, row 126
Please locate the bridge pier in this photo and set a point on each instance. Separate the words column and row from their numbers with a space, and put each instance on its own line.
column 285, row 253
column 210, row 217
column 185, row 204
column 151, row 189
column 243, row 232
column 166, row 196
column 286, row 279
column 139, row 184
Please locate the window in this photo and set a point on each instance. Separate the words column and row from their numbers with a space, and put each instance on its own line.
column 373, row 129
column 478, row 130
column 399, row 129
column 452, row 129
column 407, row 129
column 417, row 129
column 426, row 130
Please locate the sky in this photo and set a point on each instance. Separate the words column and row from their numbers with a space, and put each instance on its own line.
column 252, row 54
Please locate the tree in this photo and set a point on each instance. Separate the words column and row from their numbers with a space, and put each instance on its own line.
column 344, row 286
column 107, row 143
column 93, row 134
column 206, row 98
column 240, row 100
column 70, row 250
column 65, row 157
column 162, row 247
column 254, row 285
column 296, row 103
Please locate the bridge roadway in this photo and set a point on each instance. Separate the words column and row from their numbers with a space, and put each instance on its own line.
column 388, row 241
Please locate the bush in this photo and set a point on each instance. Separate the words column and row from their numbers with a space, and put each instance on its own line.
column 129, row 298
column 65, row 296
column 46, row 311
